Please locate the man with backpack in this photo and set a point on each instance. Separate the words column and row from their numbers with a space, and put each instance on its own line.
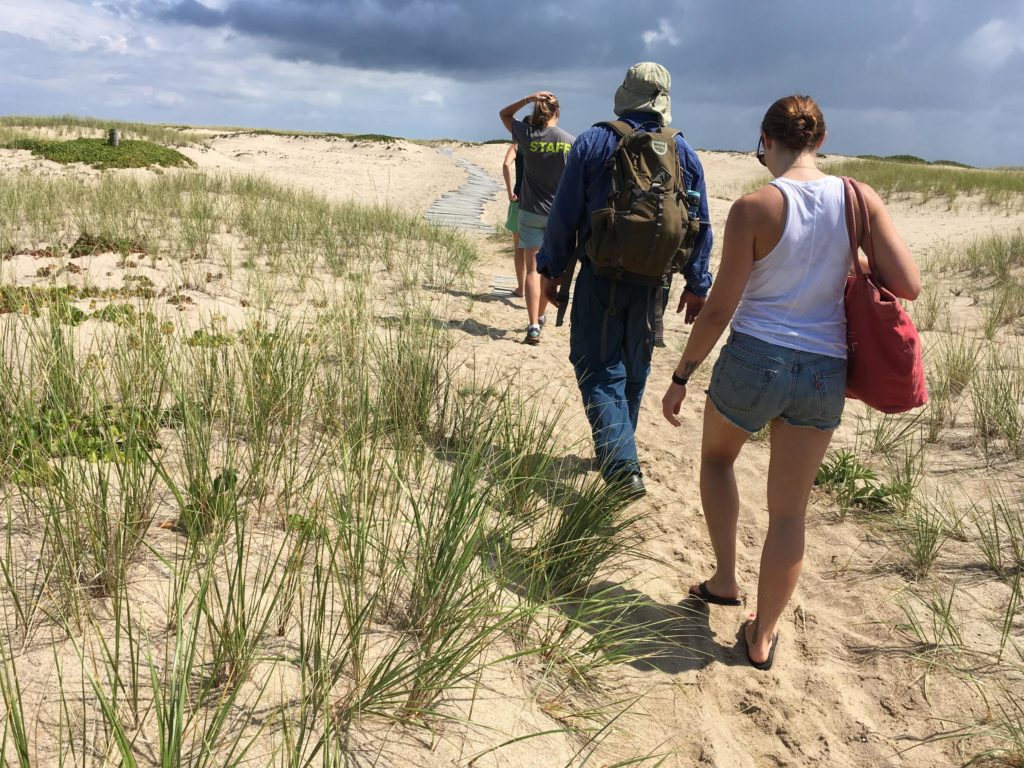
column 632, row 205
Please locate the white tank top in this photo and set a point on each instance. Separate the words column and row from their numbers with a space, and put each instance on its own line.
column 794, row 297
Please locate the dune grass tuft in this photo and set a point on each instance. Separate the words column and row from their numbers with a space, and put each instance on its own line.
column 999, row 188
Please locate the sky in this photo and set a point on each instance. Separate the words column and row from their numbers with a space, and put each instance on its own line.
column 941, row 79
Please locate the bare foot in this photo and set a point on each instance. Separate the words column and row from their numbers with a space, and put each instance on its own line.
column 517, row 293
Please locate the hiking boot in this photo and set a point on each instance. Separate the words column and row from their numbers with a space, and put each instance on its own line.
column 532, row 335
column 628, row 487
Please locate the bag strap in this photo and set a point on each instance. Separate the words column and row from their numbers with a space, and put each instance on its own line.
column 621, row 127
column 855, row 204
column 624, row 129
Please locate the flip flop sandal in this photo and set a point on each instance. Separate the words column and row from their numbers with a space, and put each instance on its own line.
column 765, row 665
column 703, row 593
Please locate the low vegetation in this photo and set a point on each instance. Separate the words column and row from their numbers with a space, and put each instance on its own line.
column 892, row 179
column 71, row 126
column 255, row 542
column 99, row 154
column 945, row 479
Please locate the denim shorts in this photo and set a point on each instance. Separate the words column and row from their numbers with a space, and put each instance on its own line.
column 531, row 229
column 754, row 382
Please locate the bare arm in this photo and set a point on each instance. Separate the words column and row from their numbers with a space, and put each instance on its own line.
column 896, row 266
column 509, row 112
column 507, row 170
column 733, row 272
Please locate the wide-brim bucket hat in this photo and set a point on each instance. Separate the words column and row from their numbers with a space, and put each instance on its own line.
column 645, row 89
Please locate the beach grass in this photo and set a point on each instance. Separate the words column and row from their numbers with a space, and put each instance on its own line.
column 73, row 126
column 258, row 540
column 892, row 476
column 250, row 540
column 894, row 179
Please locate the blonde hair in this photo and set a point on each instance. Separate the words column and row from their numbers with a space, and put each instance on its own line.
column 543, row 111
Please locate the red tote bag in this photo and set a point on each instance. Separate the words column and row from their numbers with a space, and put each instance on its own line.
column 884, row 365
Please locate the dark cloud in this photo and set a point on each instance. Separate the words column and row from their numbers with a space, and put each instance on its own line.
column 874, row 52
column 465, row 40
column 936, row 78
column 191, row 12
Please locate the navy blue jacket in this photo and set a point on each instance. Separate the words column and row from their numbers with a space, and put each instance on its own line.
column 585, row 186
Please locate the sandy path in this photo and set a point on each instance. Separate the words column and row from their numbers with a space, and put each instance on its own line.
column 839, row 694
column 823, row 702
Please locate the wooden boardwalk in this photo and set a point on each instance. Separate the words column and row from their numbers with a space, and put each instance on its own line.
column 464, row 207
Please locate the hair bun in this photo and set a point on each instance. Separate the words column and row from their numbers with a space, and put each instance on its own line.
column 803, row 128
column 796, row 121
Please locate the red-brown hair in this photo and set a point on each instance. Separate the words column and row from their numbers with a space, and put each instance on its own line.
column 796, row 121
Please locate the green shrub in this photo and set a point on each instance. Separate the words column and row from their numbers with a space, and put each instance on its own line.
column 857, row 485
column 119, row 314
column 99, row 154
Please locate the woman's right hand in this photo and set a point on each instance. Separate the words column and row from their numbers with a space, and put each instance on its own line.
column 671, row 403
column 540, row 96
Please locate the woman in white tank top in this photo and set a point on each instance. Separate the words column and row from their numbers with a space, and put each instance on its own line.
column 780, row 282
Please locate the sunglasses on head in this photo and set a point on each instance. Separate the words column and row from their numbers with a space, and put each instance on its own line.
column 759, row 152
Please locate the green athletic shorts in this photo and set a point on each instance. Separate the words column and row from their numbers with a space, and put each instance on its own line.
column 512, row 220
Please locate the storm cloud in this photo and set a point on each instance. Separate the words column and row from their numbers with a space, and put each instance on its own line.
column 931, row 77
column 470, row 40
column 876, row 53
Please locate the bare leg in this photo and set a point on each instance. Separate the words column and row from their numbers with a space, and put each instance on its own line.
column 536, row 302
column 520, row 262
column 796, row 454
column 720, row 445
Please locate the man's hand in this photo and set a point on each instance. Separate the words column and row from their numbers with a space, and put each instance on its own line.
column 692, row 303
column 672, row 401
column 513, row 197
column 551, row 287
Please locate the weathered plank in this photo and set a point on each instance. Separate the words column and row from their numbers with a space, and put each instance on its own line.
column 463, row 208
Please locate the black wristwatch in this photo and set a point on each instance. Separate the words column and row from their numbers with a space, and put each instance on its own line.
column 680, row 380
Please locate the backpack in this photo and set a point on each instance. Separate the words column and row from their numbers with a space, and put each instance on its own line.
column 651, row 219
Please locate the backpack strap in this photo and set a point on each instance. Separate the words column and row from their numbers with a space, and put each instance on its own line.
column 669, row 134
column 623, row 131
column 621, row 128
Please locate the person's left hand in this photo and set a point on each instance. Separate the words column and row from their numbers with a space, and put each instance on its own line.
column 550, row 287
column 692, row 304
column 671, row 403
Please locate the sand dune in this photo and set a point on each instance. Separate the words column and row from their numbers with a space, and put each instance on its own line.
column 845, row 690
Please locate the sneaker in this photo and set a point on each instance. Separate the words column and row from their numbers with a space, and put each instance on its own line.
column 541, row 320
column 532, row 335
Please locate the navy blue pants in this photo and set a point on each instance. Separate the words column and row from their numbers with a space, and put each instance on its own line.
column 610, row 344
